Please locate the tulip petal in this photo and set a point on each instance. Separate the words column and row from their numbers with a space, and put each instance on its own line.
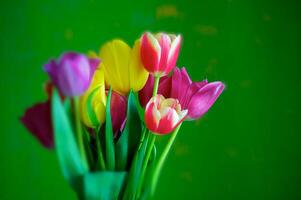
column 152, row 116
column 37, row 119
column 193, row 88
column 168, row 121
column 145, row 94
column 150, row 52
column 115, row 57
column 137, row 73
column 164, row 86
column 98, row 101
column 118, row 111
column 202, row 100
column 94, row 63
column 72, row 73
column 180, row 85
column 173, row 54
column 164, row 42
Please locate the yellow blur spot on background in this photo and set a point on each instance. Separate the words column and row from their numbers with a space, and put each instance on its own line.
column 205, row 29
column 167, row 11
column 68, row 34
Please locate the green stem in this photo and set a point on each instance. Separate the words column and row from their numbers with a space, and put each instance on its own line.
column 79, row 133
column 99, row 151
column 150, row 144
column 156, row 85
column 146, row 159
column 162, row 159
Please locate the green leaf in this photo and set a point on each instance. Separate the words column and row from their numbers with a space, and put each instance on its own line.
column 140, row 109
column 68, row 154
column 146, row 189
column 88, row 148
column 89, row 104
column 135, row 171
column 129, row 140
column 109, row 140
column 103, row 185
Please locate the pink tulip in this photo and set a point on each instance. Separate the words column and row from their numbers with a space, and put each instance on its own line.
column 162, row 115
column 196, row 97
column 159, row 53
column 72, row 73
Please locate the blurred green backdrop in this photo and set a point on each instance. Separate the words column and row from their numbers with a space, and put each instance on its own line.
column 246, row 147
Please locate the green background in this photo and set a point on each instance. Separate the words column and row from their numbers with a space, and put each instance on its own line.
column 246, row 147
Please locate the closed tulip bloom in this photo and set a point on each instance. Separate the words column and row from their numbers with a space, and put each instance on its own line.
column 72, row 73
column 122, row 66
column 162, row 115
column 196, row 97
column 159, row 52
column 95, row 100
column 96, row 97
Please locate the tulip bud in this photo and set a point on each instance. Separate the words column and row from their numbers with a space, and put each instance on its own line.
column 159, row 53
column 93, row 104
column 72, row 73
column 162, row 115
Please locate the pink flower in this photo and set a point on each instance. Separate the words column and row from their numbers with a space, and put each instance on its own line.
column 72, row 73
column 162, row 115
column 159, row 53
column 196, row 97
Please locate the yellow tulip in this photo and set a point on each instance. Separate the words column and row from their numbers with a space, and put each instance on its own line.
column 98, row 101
column 122, row 66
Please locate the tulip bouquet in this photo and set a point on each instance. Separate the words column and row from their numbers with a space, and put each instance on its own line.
column 105, row 110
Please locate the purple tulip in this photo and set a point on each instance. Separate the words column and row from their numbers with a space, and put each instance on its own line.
column 196, row 97
column 37, row 119
column 72, row 73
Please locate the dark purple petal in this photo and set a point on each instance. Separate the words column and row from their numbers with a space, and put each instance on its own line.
column 203, row 99
column 37, row 119
column 165, row 86
column 118, row 111
column 145, row 94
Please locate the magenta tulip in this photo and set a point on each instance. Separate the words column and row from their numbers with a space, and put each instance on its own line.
column 162, row 115
column 159, row 53
column 37, row 119
column 72, row 73
column 196, row 97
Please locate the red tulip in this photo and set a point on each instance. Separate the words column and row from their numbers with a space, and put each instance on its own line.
column 37, row 119
column 162, row 115
column 159, row 53
column 118, row 112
